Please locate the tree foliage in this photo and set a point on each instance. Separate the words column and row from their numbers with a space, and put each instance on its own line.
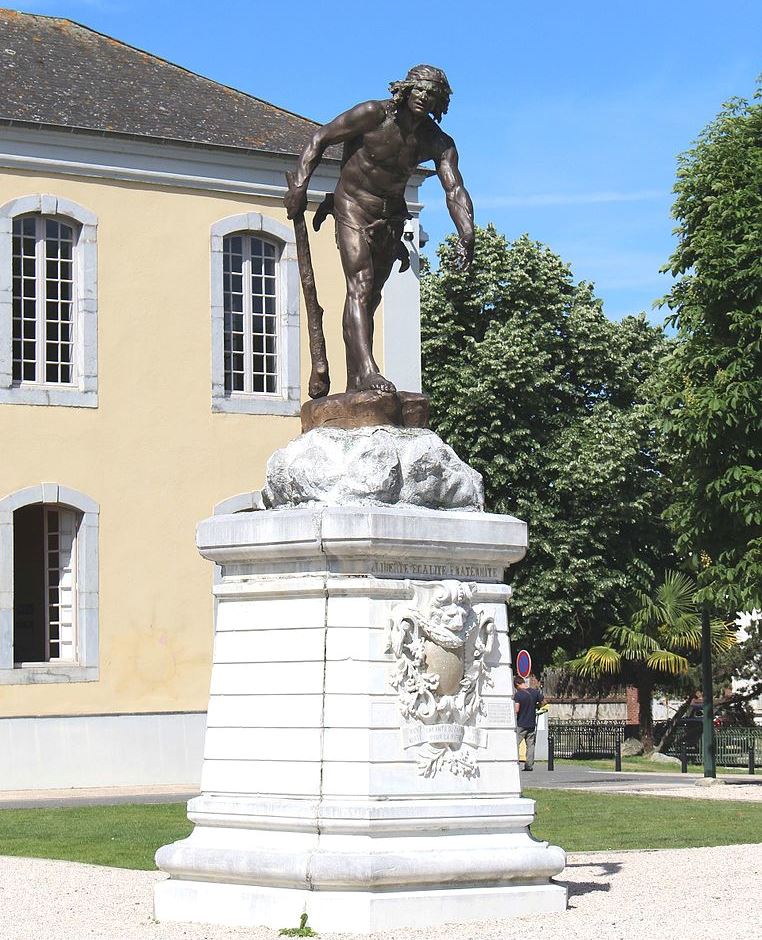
column 712, row 383
column 743, row 661
column 540, row 392
column 653, row 644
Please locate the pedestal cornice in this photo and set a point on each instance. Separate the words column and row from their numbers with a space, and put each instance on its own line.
column 379, row 541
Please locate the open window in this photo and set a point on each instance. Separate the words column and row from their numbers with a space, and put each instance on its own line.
column 45, row 584
column 48, row 586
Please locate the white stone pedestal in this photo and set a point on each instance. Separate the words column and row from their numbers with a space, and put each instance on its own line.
column 317, row 795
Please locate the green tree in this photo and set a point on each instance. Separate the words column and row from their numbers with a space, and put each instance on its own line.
column 540, row 392
column 652, row 644
column 742, row 662
column 711, row 393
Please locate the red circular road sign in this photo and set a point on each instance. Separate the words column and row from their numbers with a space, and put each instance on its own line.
column 523, row 663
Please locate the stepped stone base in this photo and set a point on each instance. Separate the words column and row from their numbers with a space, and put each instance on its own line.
column 340, row 779
column 344, row 911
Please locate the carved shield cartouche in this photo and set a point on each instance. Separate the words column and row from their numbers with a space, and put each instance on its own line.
column 440, row 644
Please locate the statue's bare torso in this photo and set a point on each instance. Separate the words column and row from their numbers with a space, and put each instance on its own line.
column 379, row 162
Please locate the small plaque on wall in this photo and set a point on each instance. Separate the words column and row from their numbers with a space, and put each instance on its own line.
column 499, row 713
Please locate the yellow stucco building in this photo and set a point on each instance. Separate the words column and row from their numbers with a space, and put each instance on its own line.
column 150, row 362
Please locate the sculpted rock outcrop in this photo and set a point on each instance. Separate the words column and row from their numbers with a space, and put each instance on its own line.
column 381, row 466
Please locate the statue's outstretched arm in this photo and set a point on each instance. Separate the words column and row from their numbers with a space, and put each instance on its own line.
column 459, row 203
column 363, row 117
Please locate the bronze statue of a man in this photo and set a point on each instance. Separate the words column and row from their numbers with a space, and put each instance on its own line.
column 384, row 142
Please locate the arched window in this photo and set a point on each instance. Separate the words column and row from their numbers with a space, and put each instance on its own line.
column 48, row 586
column 251, row 298
column 255, row 316
column 48, row 298
column 43, row 300
column 45, row 584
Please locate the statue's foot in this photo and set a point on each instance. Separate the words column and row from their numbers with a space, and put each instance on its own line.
column 374, row 381
column 320, row 382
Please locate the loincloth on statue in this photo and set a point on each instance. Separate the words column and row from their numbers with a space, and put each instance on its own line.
column 375, row 233
column 380, row 234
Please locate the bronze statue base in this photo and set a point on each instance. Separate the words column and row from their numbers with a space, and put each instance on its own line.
column 366, row 409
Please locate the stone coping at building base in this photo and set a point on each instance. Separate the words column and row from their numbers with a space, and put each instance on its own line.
column 169, row 793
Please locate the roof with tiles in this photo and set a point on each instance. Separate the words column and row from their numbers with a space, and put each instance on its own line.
column 55, row 72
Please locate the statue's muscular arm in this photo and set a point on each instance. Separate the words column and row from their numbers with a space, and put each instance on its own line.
column 459, row 203
column 358, row 120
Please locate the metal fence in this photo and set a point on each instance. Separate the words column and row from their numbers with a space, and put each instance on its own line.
column 687, row 739
column 585, row 739
column 576, row 739
column 733, row 746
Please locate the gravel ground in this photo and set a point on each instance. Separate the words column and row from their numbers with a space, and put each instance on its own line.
column 696, row 893
column 736, row 792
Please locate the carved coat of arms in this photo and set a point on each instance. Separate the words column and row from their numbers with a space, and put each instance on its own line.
column 441, row 645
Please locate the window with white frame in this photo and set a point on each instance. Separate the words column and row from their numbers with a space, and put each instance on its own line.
column 48, row 586
column 48, row 302
column 43, row 300
column 255, row 316
column 250, row 300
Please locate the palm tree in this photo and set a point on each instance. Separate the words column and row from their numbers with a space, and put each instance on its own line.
column 655, row 642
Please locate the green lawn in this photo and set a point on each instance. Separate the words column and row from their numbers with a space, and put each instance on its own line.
column 128, row 836
column 587, row 822
column 124, row 836
column 644, row 764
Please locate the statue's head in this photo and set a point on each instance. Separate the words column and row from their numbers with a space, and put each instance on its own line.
column 428, row 78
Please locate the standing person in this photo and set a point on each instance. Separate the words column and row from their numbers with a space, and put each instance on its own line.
column 526, row 703
column 384, row 143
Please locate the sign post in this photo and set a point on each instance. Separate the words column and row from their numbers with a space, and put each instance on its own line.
column 710, row 765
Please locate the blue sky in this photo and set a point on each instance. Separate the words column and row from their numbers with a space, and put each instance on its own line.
column 568, row 115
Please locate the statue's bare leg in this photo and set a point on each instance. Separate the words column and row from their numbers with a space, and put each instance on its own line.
column 383, row 261
column 357, row 259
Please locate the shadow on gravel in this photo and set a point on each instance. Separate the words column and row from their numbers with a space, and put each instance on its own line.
column 606, row 870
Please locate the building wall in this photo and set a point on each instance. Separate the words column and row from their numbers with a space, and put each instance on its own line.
column 152, row 454
column 578, row 710
column 53, row 752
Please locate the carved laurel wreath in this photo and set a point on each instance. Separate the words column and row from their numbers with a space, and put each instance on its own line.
column 442, row 613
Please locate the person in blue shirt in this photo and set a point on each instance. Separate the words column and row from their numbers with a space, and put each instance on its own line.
column 526, row 702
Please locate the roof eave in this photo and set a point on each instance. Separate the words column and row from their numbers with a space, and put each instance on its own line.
column 173, row 141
